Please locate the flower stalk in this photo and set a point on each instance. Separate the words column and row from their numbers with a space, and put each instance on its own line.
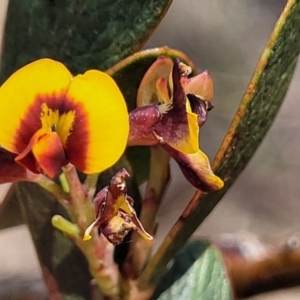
column 98, row 251
column 159, row 177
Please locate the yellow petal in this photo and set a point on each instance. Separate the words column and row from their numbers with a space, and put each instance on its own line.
column 21, row 97
column 197, row 170
column 123, row 205
column 188, row 140
column 193, row 132
column 97, row 96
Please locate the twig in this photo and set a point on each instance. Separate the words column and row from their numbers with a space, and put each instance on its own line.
column 90, row 185
column 81, row 209
column 154, row 268
column 254, row 267
column 159, row 176
column 98, row 251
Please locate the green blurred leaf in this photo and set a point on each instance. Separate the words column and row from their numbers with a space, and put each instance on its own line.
column 64, row 268
column 128, row 75
column 83, row 34
column 255, row 115
column 197, row 272
column 10, row 213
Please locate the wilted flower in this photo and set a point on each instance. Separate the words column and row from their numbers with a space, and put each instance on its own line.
column 49, row 118
column 174, row 121
column 115, row 215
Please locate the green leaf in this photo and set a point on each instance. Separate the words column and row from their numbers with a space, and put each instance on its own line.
column 128, row 75
column 255, row 115
column 10, row 213
column 83, row 34
column 197, row 272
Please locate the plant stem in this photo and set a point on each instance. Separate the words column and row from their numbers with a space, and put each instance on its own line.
column 90, row 185
column 159, row 176
column 81, row 210
column 98, row 251
column 269, row 266
column 168, row 245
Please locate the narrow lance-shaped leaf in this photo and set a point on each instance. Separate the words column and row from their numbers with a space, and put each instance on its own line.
column 82, row 34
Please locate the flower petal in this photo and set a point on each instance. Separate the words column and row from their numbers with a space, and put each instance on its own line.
column 87, row 233
column 142, row 121
column 115, row 213
column 44, row 153
column 199, row 107
column 200, row 85
column 49, row 154
column 179, row 126
column 117, row 228
column 196, row 169
column 100, row 145
column 147, row 92
column 139, row 227
column 19, row 110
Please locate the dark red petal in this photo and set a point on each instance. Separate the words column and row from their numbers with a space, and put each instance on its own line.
column 199, row 107
column 142, row 120
column 196, row 169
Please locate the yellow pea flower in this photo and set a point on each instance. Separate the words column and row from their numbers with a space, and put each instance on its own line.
column 50, row 118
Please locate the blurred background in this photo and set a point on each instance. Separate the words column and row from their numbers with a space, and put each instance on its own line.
column 226, row 38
